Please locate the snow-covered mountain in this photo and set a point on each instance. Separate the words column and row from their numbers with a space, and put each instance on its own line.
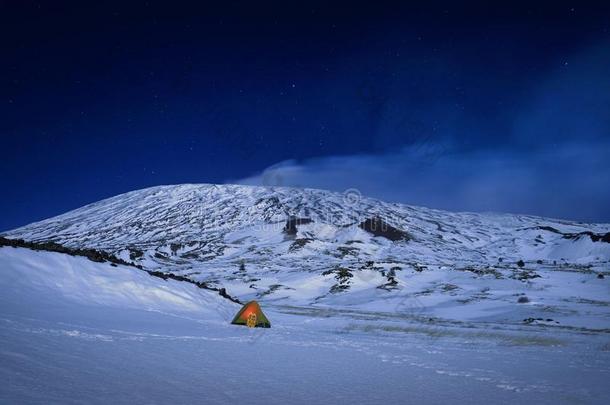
column 371, row 302
column 304, row 246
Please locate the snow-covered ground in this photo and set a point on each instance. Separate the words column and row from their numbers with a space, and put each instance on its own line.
column 72, row 330
column 460, row 267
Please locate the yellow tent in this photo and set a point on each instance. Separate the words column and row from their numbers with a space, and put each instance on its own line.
column 252, row 316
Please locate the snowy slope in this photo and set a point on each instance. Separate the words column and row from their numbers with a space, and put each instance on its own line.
column 30, row 277
column 359, row 316
column 202, row 221
column 75, row 331
column 459, row 266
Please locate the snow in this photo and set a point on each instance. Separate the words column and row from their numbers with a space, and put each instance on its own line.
column 460, row 266
column 75, row 331
column 449, row 327
column 63, row 278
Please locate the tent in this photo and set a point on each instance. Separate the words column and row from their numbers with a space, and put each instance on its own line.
column 252, row 316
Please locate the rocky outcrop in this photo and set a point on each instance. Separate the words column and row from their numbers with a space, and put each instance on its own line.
column 379, row 227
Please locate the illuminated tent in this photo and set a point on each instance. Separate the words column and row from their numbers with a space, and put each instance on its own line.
column 251, row 315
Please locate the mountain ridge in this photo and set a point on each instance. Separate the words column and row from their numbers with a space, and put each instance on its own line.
column 314, row 247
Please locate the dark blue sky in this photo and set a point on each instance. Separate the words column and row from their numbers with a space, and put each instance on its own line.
column 102, row 99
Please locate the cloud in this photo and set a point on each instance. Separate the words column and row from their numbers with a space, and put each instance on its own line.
column 555, row 162
column 553, row 182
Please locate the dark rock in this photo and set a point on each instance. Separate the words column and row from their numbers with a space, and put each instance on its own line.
column 600, row 276
column 378, row 227
column 50, row 246
column 595, row 237
column 299, row 243
column 291, row 225
column 342, row 275
column 337, row 288
column 347, row 251
column 520, row 263
column 548, row 228
column 523, row 300
column 525, row 275
column 351, row 242
column 390, row 285
column 482, row 271
column 419, row 268
column 135, row 254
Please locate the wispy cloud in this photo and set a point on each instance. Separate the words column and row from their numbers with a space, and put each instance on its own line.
column 554, row 182
column 556, row 161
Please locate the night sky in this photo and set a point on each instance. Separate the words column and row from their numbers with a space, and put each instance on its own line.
column 470, row 106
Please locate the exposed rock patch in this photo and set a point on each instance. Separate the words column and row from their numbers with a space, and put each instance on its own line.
column 343, row 276
column 291, row 225
column 378, row 227
column 595, row 237
column 299, row 243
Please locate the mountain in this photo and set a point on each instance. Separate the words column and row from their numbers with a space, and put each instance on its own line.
column 292, row 246
column 130, row 299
